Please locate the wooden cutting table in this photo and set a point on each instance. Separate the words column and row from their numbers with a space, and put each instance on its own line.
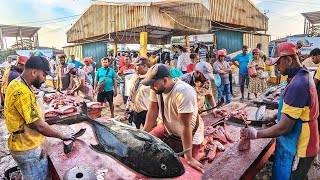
column 230, row 164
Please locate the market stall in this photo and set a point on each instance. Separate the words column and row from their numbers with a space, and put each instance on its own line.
column 229, row 163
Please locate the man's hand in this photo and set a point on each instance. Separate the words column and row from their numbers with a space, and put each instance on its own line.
column 68, row 137
column 114, row 93
column 248, row 133
column 196, row 165
column 216, row 112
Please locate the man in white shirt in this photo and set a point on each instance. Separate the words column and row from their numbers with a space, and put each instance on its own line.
column 138, row 100
column 82, row 83
column 7, row 63
column 184, row 60
column 182, row 127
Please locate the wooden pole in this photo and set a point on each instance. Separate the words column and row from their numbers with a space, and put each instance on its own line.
column 1, row 40
column 21, row 38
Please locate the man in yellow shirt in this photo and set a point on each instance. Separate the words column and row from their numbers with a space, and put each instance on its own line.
column 25, row 121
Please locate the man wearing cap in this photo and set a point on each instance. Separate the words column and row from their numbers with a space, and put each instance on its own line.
column 109, row 76
column 11, row 73
column 138, row 100
column 243, row 59
column 64, row 80
column 201, row 79
column 82, row 83
column 25, row 121
column 182, row 127
column 223, row 69
column 124, row 71
column 297, row 141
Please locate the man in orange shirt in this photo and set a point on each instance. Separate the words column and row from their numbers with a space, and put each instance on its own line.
column 121, row 61
column 123, row 72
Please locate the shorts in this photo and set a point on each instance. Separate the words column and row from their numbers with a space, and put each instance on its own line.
column 302, row 169
column 243, row 78
column 106, row 95
column 197, row 149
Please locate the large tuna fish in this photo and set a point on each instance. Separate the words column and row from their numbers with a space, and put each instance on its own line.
column 139, row 150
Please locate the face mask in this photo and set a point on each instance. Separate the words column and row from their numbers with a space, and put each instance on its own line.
column 73, row 72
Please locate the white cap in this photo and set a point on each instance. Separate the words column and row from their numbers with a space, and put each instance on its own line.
column 206, row 69
column 69, row 67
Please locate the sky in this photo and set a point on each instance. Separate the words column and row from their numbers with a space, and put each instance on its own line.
column 55, row 17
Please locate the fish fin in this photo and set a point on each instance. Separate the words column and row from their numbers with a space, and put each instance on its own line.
column 98, row 147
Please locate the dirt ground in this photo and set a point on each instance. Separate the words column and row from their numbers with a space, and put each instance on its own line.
column 265, row 174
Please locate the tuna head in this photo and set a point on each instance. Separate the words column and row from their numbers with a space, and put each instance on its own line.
column 164, row 162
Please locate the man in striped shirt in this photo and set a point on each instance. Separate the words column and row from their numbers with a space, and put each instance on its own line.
column 203, row 52
column 297, row 130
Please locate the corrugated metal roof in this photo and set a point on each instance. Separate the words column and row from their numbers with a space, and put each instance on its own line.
column 162, row 19
column 312, row 17
column 14, row 31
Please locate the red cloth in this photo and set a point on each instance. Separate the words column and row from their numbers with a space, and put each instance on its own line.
column 124, row 68
column 190, row 68
column 197, row 150
column 121, row 61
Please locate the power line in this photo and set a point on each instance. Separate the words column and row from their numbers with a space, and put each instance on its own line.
column 61, row 18
column 296, row 5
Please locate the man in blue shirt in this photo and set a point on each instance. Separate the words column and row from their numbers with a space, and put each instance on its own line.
column 107, row 74
column 243, row 59
column 75, row 62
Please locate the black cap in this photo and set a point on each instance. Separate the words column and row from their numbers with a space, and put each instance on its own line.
column 39, row 63
column 157, row 71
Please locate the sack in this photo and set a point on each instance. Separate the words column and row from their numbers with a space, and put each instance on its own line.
column 174, row 142
column 217, row 80
column 252, row 71
column 102, row 84
column 264, row 75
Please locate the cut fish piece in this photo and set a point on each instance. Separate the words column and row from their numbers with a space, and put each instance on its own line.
column 67, row 109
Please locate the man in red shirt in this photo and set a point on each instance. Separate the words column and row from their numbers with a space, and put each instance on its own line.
column 195, row 58
column 124, row 70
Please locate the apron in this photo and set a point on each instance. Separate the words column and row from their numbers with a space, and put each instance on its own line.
column 286, row 148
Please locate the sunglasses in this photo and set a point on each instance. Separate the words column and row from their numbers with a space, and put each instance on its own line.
column 19, row 64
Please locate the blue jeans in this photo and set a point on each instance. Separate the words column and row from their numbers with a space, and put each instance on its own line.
column 31, row 164
column 224, row 89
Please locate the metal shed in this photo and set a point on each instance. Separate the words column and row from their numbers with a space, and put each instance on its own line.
column 122, row 22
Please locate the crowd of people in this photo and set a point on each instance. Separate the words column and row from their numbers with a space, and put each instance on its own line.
column 164, row 97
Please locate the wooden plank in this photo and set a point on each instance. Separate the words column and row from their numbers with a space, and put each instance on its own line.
column 233, row 164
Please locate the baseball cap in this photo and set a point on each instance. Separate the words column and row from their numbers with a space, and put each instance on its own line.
column 221, row 52
column 256, row 50
column 283, row 49
column 141, row 61
column 69, row 67
column 300, row 42
column 206, row 69
column 39, row 63
column 157, row 71
column 22, row 59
